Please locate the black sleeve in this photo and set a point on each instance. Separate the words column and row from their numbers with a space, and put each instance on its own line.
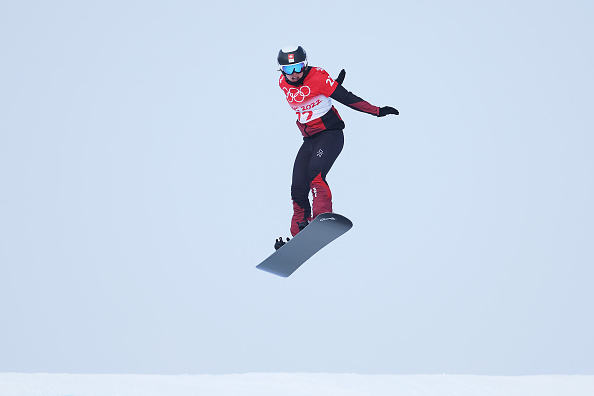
column 351, row 100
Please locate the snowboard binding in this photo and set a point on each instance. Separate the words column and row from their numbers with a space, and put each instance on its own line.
column 279, row 243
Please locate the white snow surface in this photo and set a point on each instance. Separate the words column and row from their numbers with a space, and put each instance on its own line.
column 292, row 384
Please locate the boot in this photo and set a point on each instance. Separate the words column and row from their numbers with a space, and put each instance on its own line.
column 302, row 225
column 279, row 243
column 300, row 215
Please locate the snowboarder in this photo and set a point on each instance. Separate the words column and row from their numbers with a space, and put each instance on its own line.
column 309, row 91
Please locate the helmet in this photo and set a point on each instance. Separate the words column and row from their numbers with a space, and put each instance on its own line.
column 291, row 54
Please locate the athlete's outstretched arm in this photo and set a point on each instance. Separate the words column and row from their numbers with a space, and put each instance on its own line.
column 351, row 100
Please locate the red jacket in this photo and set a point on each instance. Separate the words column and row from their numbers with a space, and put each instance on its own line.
column 311, row 101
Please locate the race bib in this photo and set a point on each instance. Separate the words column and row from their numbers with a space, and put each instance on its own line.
column 306, row 107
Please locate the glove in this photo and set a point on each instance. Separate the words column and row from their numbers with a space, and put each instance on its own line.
column 340, row 77
column 279, row 243
column 384, row 111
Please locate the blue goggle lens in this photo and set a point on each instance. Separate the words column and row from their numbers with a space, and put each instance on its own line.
column 290, row 69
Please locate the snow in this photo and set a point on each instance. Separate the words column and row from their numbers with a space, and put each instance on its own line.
column 292, row 384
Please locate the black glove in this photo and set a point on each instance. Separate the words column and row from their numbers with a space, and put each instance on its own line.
column 279, row 243
column 340, row 77
column 384, row 111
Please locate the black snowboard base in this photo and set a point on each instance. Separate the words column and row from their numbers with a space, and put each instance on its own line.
column 321, row 231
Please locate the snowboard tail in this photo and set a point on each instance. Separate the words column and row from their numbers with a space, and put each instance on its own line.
column 320, row 232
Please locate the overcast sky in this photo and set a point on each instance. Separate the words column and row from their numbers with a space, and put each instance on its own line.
column 145, row 167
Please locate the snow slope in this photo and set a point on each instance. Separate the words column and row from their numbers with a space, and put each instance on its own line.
column 295, row 384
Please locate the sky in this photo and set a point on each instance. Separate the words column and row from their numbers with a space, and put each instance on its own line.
column 145, row 163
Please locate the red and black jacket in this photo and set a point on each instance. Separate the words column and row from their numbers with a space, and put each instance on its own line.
column 310, row 99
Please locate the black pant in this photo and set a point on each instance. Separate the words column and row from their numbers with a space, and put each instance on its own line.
column 313, row 162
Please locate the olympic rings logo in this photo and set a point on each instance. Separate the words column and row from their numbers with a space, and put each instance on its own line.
column 297, row 95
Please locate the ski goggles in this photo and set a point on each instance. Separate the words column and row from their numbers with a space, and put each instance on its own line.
column 296, row 68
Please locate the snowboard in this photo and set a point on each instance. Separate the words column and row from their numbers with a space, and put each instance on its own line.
column 320, row 232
